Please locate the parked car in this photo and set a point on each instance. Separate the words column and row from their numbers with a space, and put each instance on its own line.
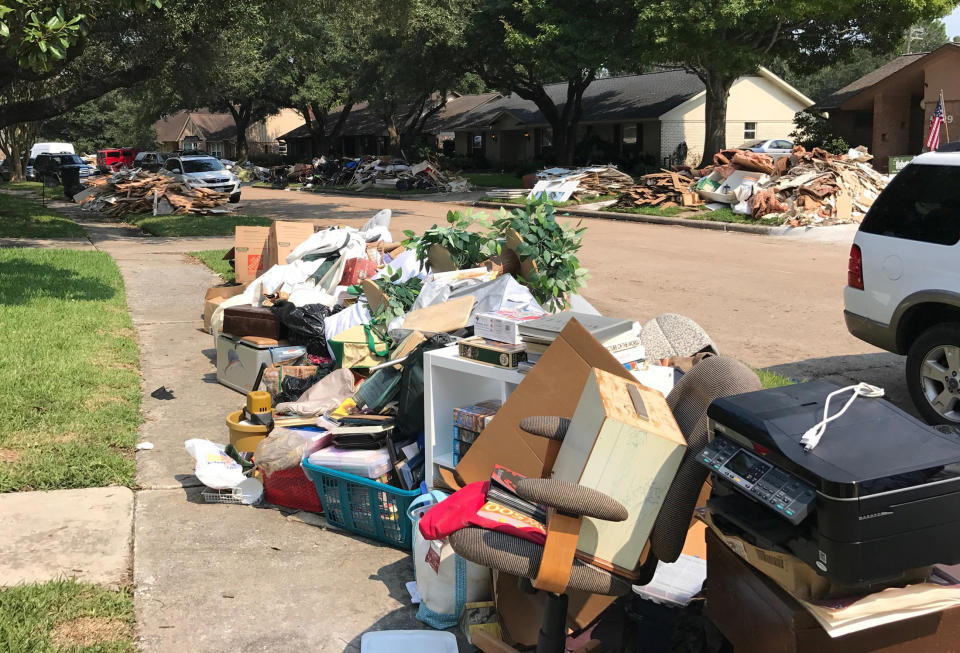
column 52, row 164
column 51, row 148
column 203, row 172
column 903, row 282
column 775, row 147
column 112, row 159
column 150, row 161
column 29, row 173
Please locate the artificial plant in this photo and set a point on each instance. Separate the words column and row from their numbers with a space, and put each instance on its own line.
column 468, row 248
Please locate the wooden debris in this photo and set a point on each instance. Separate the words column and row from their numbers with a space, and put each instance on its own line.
column 135, row 191
column 661, row 189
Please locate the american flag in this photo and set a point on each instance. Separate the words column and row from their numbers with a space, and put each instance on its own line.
column 933, row 139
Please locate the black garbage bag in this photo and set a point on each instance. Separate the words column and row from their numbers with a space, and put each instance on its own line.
column 292, row 388
column 409, row 420
column 304, row 325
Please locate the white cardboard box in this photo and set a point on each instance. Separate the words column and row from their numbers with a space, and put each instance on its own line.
column 502, row 326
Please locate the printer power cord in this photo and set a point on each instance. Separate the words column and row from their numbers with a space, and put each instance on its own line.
column 813, row 435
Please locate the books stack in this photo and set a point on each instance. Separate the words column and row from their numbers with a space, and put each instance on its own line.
column 619, row 335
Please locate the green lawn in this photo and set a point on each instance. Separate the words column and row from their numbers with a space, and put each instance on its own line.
column 267, row 184
column 590, row 199
column 195, row 225
column 493, row 179
column 35, row 186
column 772, row 379
column 65, row 615
column 720, row 215
column 69, row 377
column 26, row 218
column 213, row 259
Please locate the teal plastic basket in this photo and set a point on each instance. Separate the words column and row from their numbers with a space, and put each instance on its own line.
column 362, row 506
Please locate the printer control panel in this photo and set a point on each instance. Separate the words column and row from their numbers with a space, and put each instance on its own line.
column 760, row 480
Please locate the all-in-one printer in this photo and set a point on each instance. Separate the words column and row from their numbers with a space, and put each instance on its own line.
column 879, row 494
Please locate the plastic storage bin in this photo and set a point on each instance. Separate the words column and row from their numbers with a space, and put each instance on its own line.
column 362, row 506
column 368, row 463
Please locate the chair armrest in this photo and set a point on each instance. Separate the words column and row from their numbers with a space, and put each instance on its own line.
column 571, row 498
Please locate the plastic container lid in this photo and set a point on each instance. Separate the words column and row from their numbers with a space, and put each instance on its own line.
column 421, row 641
column 369, row 463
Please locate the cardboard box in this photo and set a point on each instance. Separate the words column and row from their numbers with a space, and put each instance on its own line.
column 552, row 387
column 214, row 297
column 623, row 441
column 503, row 325
column 250, row 252
column 284, row 238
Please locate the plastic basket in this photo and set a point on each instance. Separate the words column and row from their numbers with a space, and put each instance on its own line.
column 291, row 488
column 362, row 506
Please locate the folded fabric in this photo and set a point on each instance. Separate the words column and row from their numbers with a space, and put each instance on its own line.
column 469, row 507
column 326, row 394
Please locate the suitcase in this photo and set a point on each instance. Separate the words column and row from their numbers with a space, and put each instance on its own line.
column 243, row 321
column 356, row 270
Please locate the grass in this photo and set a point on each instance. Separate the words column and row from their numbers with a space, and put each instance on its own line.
column 493, row 179
column 720, row 215
column 523, row 200
column 26, row 218
column 213, row 259
column 35, row 186
column 772, row 379
column 196, row 225
column 69, row 378
column 66, row 615
column 267, row 184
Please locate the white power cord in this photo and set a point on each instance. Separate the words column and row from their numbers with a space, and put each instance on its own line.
column 812, row 437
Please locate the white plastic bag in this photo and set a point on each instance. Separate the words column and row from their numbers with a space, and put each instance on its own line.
column 454, row 582
column 214, row 468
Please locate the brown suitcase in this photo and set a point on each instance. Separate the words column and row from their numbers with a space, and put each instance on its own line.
column 250, row 321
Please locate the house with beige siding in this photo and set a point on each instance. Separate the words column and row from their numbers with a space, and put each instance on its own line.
column 216, row 133
column 657, row 118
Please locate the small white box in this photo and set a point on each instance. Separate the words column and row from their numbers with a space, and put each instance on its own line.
column 503, row 326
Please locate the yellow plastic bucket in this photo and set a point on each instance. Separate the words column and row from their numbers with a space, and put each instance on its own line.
column 243, row 436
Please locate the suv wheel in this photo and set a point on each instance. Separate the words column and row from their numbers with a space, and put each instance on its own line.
column 933, row 373
column 234, row 198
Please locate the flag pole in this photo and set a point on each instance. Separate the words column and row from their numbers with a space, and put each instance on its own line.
column 946, row 127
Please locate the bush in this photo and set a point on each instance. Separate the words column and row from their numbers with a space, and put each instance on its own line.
column 267, row 160
column 813, row 130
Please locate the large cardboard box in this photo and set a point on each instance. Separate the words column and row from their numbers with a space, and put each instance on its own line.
column 623, row 441
column 250, row 251
column 284, row 238
column 552, row 387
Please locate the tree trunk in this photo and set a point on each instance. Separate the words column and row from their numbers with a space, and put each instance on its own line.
column 394, row 135
column 718, row 91
column 241, row 117
column 338, row 126
column 563, row 122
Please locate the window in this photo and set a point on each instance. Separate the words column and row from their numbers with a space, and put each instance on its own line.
column 749, row 130
column 172, row 165
column 477, row 144
column 216, row 149
column 783, row 145
column 202, row 165
column 921, row 203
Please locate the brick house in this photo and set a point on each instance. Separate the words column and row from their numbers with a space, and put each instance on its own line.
column 889, row 109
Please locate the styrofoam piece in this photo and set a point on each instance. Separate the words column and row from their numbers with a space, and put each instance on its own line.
column 421, row 641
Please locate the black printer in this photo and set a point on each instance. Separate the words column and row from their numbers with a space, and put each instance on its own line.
column 879, row 494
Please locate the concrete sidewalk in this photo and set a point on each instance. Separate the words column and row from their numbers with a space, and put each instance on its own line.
column 214, row 577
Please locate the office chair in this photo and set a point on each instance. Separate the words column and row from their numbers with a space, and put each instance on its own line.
column 552, row 567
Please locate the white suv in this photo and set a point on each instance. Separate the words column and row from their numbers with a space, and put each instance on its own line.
column 903, row 280
column 197, row 171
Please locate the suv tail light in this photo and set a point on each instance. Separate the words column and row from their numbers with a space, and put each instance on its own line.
column 855, row 268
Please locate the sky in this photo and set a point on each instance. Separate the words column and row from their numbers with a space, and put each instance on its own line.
column 953, row 23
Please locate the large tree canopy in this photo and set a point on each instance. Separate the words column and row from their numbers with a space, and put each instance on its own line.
column 522, row 46
column 720, row 42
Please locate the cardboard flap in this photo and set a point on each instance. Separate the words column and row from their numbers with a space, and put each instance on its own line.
column 552, row 387
column 440, row 318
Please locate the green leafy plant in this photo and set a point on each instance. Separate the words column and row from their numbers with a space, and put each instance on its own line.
column 398, row 297
column 549, row 249
column 467, row 248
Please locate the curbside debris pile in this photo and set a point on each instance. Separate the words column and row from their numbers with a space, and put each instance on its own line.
column 136, row 191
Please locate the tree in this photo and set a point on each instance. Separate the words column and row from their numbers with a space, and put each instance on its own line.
column 720, row 42
column 521, row 46
column 119, row 118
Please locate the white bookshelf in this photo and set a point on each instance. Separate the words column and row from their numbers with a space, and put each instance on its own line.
column 450, row 382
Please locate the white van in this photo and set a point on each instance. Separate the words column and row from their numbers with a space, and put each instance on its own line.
column 51, row 148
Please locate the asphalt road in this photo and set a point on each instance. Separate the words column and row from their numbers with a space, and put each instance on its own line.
column 770, row 301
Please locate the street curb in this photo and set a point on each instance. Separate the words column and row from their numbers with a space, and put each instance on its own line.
column 759, row 230
column 352, row 193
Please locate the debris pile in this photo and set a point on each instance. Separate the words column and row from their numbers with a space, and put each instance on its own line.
column 370, row 172
column 561, row 184
column 662, row 189
column 134, row 191
column 802, row 188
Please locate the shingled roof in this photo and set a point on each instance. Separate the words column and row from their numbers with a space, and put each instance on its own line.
column 212, row 126
column 630, row 97
column 839, row 97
